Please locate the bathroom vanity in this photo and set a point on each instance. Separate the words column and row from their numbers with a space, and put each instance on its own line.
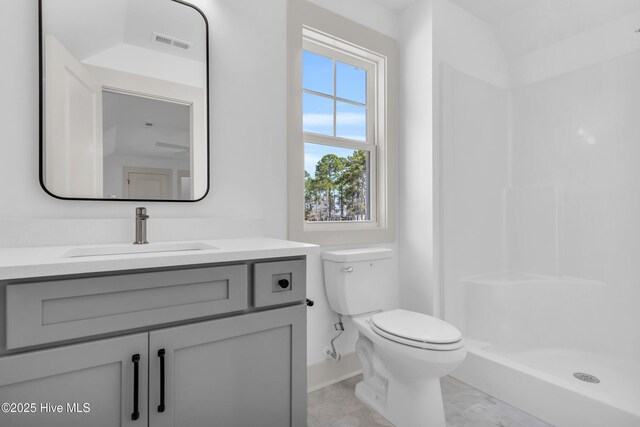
column 200, row 337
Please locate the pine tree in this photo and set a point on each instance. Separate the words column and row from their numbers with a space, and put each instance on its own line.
column 339, row 190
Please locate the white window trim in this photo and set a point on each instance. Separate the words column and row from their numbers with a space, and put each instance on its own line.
column 313, row 24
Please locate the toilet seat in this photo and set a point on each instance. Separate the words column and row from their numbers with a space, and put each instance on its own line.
column 416, row 330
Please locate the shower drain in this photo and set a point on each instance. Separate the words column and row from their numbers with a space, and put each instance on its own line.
column 586, row 377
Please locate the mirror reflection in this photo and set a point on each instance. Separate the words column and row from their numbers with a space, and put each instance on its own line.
column 124, row 100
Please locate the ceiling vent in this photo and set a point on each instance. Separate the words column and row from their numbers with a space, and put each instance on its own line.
column 170, row 41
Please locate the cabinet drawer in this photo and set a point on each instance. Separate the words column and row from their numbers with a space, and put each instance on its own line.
column 56, row 310
column 279, row 282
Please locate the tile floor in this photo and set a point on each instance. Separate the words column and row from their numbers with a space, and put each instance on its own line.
column 337, row 406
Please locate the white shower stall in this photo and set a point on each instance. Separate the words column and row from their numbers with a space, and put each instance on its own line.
column 539, row 160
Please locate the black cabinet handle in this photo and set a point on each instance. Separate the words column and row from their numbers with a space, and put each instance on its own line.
column 161, row 354
column 283, row 283
column 310, row 302
column 136, row 373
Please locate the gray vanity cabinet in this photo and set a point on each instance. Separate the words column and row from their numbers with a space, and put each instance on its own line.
column 236, row 356
column 233, row 372
column 99, row 373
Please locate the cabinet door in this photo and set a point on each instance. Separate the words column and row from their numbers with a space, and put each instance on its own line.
column 100, row 374
column 243, row 371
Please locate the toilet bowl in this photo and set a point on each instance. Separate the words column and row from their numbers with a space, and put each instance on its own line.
column 402, row 381
column 403, row 354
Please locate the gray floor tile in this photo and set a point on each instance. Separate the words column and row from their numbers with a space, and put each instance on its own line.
column 311, row 422
column 364, row 417
column 333, row 403
column 465, row 406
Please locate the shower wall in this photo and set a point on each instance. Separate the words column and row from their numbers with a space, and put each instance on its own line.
column 574, row 162
column 475, row 146
column 540, row 182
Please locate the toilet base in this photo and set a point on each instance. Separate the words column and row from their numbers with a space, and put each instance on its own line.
column 404, row 405
column 373, row 392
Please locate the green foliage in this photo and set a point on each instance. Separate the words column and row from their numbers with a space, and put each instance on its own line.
column 339, row 191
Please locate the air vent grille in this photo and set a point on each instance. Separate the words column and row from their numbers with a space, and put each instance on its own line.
column 181, row 44
column 170, row 41
column 163, row 39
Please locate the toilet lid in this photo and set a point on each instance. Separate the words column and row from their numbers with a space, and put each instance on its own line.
column 408, row 325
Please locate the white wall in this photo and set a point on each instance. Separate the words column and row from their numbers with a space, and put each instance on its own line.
column 468, row 44
column 589, row 47
column 364, row 12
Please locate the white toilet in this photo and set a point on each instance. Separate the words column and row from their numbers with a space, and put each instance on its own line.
column 403, row 353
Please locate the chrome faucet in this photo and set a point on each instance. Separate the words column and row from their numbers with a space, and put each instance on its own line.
column 141, row 226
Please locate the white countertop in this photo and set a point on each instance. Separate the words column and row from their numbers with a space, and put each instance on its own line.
column 45, row 261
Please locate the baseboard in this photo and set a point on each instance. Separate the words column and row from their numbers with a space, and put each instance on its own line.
column 329, row 372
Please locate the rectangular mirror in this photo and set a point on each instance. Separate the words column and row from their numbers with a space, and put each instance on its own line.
column 124, row 100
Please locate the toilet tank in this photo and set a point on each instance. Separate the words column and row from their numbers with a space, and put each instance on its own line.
column 358, row 281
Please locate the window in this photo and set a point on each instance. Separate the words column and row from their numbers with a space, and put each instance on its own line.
column 342, row 154
column 338, row 120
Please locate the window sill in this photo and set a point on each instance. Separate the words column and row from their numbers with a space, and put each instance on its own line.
column 329, row 234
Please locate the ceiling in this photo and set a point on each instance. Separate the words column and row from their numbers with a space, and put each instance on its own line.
column 495, row 11
column 394, row 5
column 140, row 124
column 87, row 28
column 523, row 26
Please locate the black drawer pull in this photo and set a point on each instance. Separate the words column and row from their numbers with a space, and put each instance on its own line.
column 161, row 354
column 136, row 373
column 283, row 283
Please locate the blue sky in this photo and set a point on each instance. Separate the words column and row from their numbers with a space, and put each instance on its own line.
column 318, row 111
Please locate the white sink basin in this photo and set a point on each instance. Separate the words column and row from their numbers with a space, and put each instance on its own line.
column 132, row 249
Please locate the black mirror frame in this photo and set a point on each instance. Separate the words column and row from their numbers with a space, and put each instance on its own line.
column 41, row 118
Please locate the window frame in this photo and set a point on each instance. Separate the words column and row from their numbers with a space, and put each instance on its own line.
column 309, row 29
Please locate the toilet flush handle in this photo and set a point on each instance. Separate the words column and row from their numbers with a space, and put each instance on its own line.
column 347, row 269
